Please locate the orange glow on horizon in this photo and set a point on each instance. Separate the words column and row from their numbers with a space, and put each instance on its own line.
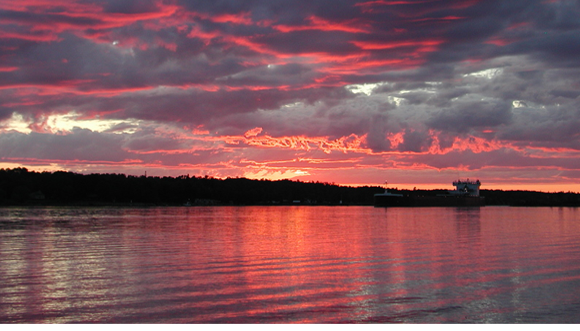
column 133, row 167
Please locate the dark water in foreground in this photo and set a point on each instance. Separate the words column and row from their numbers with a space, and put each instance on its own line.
column 290, row 265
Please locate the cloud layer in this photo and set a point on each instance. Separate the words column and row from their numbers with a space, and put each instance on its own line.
column 351, row 92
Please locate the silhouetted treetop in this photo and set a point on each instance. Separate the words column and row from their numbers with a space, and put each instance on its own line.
column 19, row 186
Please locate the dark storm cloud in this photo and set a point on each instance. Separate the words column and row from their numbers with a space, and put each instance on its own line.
column 199, row 106
column 497, row 158
column 465, row 116
column 415, row 141
column 280, row 10
column 80, row 145
column 546, row 126
column 128, row 6
column 321, row 112
column 46, row 20
column 309, row 42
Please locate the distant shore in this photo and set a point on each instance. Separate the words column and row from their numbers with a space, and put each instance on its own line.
column 20, row 187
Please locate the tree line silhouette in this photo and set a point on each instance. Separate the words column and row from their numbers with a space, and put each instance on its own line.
column 20, row 187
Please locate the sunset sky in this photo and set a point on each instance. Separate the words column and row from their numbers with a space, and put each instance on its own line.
column 418, row 93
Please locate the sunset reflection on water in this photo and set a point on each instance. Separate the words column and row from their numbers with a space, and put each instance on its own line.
column 290, row 265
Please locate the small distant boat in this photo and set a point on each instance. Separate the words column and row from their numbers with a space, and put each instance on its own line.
column 466, row 193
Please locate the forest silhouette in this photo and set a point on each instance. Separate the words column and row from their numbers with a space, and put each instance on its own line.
column 20, row 187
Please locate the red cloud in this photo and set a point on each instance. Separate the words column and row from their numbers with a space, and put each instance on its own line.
column 317, row 23
column 499, row 41
column 370, row 45
column 76, row 16
column 241, row 18
column 8, row 69
column 43, row 36
column 366, row 65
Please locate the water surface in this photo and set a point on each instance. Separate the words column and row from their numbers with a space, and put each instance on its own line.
column 290, row 265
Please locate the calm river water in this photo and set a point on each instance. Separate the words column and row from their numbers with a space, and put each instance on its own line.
column 290, row 265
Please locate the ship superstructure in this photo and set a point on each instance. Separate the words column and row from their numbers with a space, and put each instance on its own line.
column 466, row 193
column 466, row 187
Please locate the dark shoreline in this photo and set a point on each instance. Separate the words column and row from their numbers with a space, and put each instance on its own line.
column 22, row 188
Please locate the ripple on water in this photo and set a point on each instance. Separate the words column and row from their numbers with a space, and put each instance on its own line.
column 290, row 265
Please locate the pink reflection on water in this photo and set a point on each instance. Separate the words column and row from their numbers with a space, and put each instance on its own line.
column 290, row 264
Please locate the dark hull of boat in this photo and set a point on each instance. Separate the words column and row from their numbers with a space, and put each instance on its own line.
column 428, row 201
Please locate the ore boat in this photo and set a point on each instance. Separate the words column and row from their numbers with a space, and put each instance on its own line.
column 466, row 193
